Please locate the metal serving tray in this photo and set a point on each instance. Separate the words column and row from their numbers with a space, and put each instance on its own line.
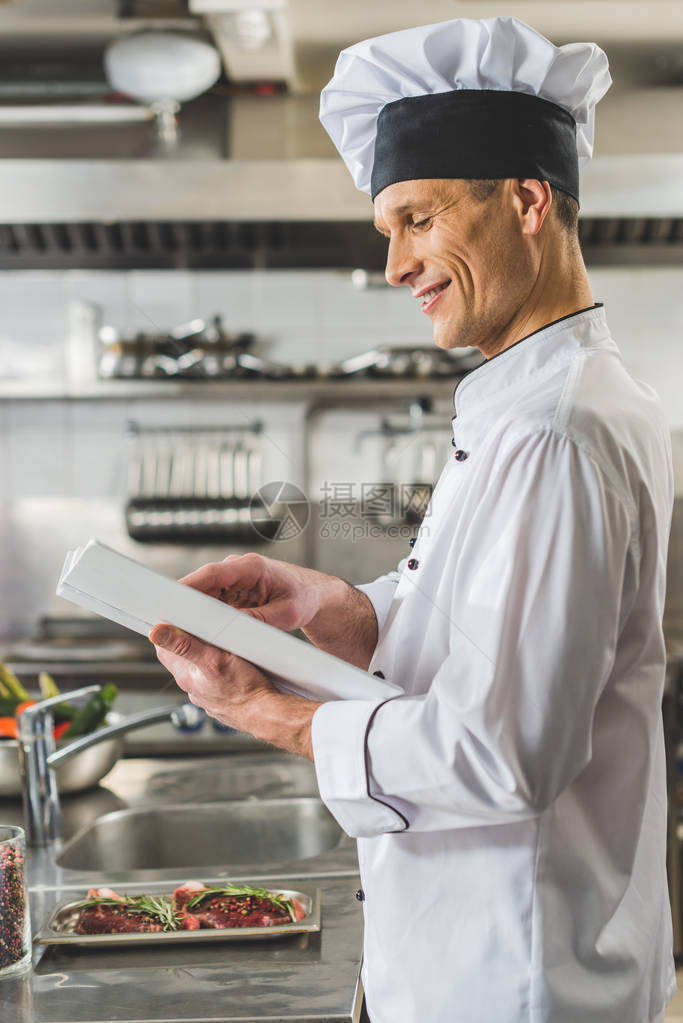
column 59, row 929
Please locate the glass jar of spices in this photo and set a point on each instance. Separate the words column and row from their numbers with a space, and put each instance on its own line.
column 15, row 920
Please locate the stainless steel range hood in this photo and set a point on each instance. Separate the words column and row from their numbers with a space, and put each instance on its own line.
column 75, row 191
column 247, row 159
column 266, row 158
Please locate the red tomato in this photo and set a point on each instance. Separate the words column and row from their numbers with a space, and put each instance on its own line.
column 8, row 728
column 22, row 706
column 58, row 730
column 298, row 910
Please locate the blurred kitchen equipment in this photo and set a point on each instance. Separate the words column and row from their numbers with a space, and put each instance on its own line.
column 408, row 361
column 162, row 69
column 203, row 349
column 362, row 279
column 78, row 640
column 82, row 772
column 200, row 349
column 193, row 484
column 39, row 757
column 410, row 464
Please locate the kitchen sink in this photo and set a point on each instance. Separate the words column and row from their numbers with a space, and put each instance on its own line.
column 249, row 834
column 243, row 776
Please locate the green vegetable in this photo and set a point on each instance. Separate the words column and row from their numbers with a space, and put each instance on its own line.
column 10, row 684
column 89, row 717
column 48, row 686
column 8, row 704
column 64, row 712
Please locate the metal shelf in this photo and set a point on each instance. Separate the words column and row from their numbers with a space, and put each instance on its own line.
column 245, row 390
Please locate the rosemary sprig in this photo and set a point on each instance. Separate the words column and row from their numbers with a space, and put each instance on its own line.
column 235, row 890
column 158, row 906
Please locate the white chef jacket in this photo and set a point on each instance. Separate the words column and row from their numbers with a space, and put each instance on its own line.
column 510, row 808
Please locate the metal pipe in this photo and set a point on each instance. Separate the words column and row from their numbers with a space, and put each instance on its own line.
column 73, row 113
column 176, row 714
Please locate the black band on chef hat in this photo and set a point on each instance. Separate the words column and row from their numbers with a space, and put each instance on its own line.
column 475, row 133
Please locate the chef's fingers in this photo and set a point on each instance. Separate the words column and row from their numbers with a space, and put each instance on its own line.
column 235, row 580
column 282, row 613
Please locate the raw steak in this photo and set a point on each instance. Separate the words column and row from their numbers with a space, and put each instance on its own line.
column 239, row 911
column 108, row 919
column 104, row 918
column 219, row 911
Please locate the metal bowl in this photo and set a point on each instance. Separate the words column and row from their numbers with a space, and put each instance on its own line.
column 81, row 772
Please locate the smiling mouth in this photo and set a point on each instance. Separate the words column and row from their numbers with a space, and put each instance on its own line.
column 429, row 296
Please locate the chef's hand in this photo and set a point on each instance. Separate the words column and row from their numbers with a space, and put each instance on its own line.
column 235, row 692
column 333, row 614
column 286, row 596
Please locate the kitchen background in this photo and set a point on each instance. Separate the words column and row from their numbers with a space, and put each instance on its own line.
column 112, row 224
column 191, row 305
column 64, row 462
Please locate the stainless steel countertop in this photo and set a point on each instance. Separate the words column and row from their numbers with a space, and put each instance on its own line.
column 300, row 978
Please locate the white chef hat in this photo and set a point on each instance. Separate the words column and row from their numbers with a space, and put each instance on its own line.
column 465, row 99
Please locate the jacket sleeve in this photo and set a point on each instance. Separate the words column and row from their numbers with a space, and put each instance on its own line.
column 536, row 607
column 381, row 593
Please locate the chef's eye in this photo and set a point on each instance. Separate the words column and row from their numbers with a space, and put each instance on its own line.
column 422, row 225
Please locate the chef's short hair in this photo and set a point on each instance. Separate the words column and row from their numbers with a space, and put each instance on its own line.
column 566, row 207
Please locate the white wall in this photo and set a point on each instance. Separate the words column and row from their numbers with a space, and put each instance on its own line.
column 645, row 313
column 300, row 316
column 310, row 315
column 63, row 463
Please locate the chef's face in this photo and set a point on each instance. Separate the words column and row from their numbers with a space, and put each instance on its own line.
column 465, row 261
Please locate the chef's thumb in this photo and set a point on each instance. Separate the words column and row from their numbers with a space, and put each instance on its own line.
column 174, row 640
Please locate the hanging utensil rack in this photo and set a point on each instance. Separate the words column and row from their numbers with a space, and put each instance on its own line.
column 192, row 484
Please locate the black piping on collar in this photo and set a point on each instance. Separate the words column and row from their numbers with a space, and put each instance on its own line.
column 567, row 316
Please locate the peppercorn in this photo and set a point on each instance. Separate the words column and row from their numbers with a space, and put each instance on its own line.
column 12, row 906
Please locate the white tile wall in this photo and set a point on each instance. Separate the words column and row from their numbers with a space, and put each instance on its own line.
column 33, row 324
column 310, row 314
column 235, row 295
column 59, row 455
column 159, row 300
column 38, row 456
column 645, row 311
column 299, row 317
column 106, row 289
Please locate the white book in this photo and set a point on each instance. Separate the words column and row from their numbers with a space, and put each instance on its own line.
column 119, row 588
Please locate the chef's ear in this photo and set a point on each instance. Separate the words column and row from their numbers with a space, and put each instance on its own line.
column 532, row 200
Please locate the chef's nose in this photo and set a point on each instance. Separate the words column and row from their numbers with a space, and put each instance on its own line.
column 401, row 261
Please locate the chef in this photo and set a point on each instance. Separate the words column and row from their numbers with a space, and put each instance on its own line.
column 510, row 807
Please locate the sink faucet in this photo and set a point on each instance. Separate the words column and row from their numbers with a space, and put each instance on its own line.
column 38, row 755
